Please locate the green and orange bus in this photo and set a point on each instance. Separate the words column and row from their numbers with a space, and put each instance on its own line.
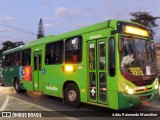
column 110, row 64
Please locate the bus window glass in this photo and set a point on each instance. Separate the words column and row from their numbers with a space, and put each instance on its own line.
column 102, row 86
column 138, row 57
column 17, row 58
column 40, row 62
column 111, row 57
column 35, row 61
column 73, row 50
column 93, row 81
column 4, row 60
column 54, row 53
column 10, row 61
column 91, row 56
column 26, row 57
column 102, row 56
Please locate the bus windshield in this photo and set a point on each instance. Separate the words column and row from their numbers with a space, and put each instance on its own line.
column 137, row 56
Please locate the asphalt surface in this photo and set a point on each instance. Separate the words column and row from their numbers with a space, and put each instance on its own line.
column 17, row 108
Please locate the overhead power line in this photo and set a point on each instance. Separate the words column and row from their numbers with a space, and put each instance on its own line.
column 17, row 29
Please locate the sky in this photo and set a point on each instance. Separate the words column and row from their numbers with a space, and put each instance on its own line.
column 60, row 16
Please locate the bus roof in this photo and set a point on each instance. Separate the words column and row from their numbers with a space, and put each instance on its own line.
column 50, row 38
column 13, row 50
column 91, row 28
column 77, row 32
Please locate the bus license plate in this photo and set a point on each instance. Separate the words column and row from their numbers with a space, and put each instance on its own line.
column 145, row 103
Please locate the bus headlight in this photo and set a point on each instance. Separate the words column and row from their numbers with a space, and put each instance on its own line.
column 156, row 85
column 130, row 91
column 127, row 88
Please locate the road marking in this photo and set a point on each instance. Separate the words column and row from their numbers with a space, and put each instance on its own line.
column 43, row 108
column 8, row 98
column 153, row 106
column 32, row 104
column 5, row 103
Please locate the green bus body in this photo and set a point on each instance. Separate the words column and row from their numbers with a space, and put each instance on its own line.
column 102, row 86
column 12, row 71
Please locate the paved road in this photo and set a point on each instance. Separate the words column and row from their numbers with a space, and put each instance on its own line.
column 13, row 106
column 51, row 106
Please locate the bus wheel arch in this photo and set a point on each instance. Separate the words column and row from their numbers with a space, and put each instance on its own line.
column 71, row 94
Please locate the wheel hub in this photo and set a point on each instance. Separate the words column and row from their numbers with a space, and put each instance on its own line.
column 72, row 96
column 17, row 85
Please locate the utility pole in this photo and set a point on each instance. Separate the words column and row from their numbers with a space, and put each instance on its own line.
column 40, row 29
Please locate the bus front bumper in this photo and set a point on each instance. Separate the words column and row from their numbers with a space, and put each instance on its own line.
column 126, row 101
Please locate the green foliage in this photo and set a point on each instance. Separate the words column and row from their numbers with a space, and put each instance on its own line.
column 9, row 45
column 146, row 19
column 40, row 29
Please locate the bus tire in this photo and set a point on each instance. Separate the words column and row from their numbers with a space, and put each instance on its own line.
column 22, row 90
column 72, row 95
column 17, row 86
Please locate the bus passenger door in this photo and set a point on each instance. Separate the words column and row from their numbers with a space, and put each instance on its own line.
column 97, row 74
column 37, row 73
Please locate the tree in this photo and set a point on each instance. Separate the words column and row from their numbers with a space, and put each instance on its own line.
column 9, row 45
column 18, row 43
column 40, row 29
column 146, row 19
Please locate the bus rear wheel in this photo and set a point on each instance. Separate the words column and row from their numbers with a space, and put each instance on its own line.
column 72, row 95
column 17, row 86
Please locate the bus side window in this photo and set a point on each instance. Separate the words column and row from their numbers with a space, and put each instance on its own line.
column 73, row 50
column 54, row 53
column 10, row 60
column 75, row 58
column 26, row 57
column 17, row 58
column 91, row 56
column 4, row 60
column 102, row 55
column 111, row 57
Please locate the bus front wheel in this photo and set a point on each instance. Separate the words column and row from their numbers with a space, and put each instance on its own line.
column 72, row 95
column 17, row 86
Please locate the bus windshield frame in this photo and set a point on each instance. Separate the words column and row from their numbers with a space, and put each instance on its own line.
column 141, row 53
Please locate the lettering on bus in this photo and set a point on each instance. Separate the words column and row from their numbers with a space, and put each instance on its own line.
column 136, row 71
column 80, row 67
column 95, row 36
column 11, row 69
column 54, row 88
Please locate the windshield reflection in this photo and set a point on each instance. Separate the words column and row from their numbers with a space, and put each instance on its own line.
column 137, row 56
